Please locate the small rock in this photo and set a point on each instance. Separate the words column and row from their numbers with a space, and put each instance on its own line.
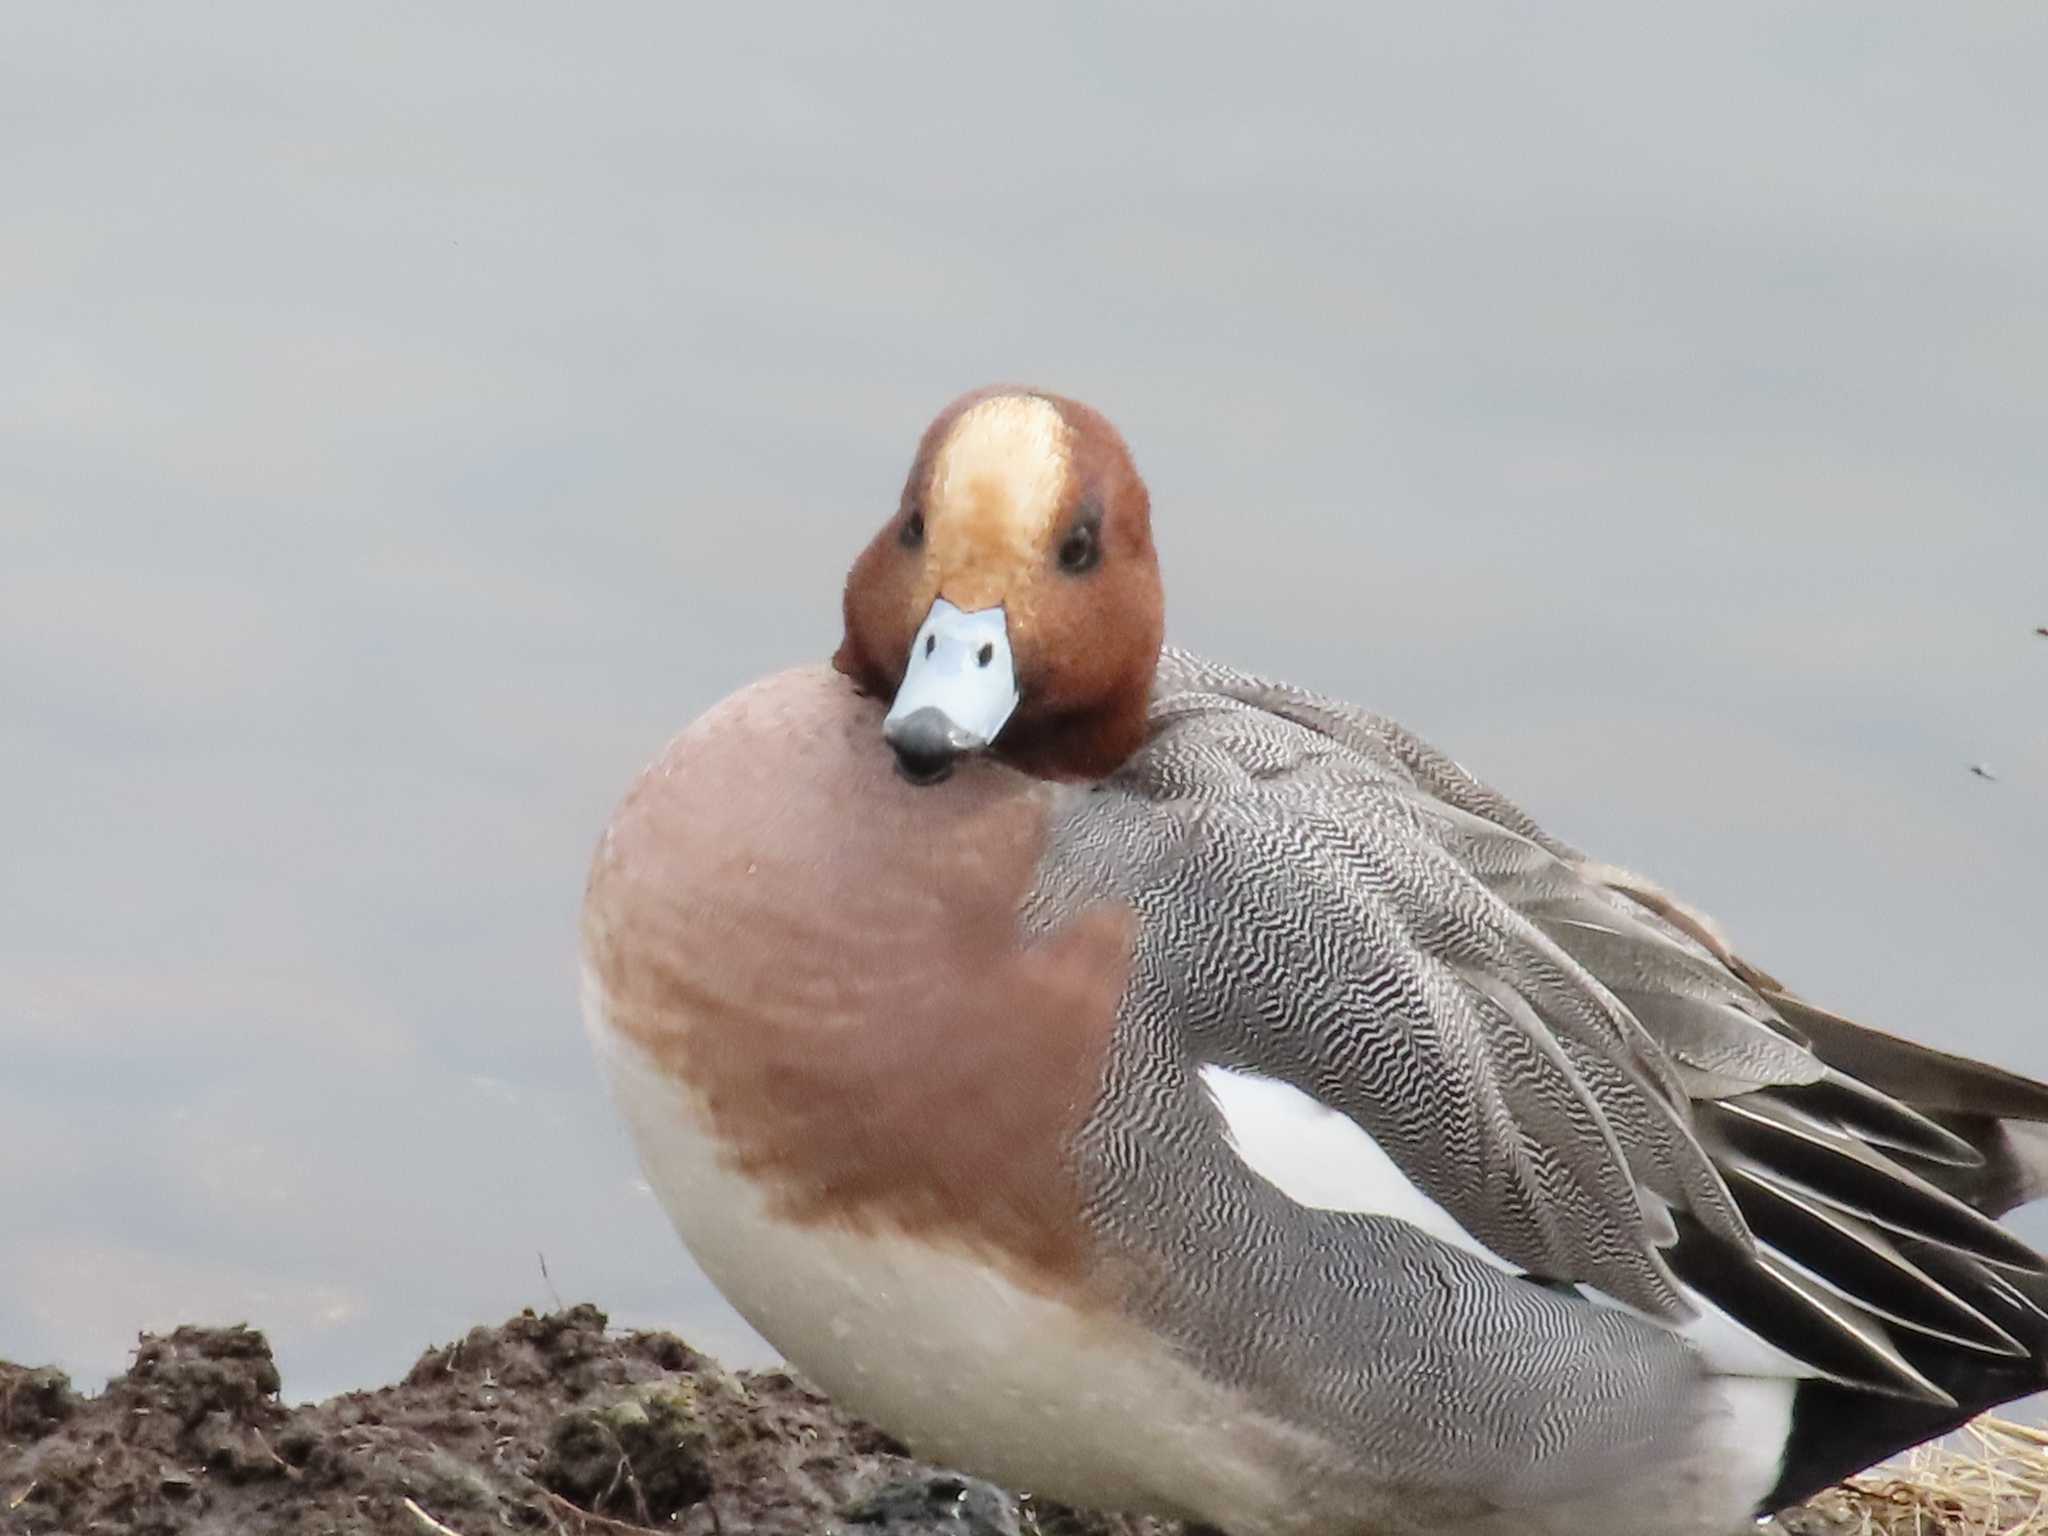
column 937, row 1503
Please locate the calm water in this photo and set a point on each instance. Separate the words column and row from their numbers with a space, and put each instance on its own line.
column 411, row 419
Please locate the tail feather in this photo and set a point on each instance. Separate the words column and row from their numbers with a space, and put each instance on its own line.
column 1838, row 1430
column 2015, row 1166
column 2002, row 1115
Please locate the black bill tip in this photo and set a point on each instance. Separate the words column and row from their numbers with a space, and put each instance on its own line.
column 927, row 744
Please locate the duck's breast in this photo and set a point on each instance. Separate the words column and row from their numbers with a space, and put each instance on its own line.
column 857, row 1085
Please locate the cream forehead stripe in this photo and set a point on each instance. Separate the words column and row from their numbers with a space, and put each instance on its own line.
column 998, row 479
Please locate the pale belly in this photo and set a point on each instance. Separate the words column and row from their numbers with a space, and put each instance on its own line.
column 946, row 1353
column 978, row 1373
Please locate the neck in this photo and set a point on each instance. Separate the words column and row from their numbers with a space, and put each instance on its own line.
column 1080, row 745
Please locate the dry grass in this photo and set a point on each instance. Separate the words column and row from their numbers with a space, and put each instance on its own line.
column 1990, row 1479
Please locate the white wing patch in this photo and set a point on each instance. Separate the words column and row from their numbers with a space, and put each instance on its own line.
column 1323, row 1159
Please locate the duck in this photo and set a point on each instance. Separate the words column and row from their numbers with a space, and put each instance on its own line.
column 1157, row 1088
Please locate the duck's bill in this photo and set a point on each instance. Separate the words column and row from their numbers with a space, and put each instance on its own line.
column 957, row 693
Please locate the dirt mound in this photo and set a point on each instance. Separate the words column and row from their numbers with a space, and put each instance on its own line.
column 546, row 1424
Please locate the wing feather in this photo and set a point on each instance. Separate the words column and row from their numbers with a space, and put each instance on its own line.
column 1572, row 1063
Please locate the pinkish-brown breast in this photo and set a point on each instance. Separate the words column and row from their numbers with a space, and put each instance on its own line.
column 829, row 960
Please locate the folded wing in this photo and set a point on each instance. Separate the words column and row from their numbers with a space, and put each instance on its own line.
column 1570, row 1062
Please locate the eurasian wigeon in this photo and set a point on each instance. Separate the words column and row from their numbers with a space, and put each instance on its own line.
column 1163, row 1089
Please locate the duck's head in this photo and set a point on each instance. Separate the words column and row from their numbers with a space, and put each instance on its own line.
column 1012, row 604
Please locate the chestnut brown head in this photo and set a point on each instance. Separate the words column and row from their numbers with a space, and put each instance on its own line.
column 1013, row 602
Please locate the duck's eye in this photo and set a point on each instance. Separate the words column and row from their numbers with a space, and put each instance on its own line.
column 913, row 530
column 1080, row 550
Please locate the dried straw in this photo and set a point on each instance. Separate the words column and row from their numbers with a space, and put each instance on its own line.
column 1988, row 1479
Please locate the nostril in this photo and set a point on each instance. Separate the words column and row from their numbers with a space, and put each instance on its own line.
column 986, row 654
column 929, row 642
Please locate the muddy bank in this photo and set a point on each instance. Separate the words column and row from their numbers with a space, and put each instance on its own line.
column 545, row 1424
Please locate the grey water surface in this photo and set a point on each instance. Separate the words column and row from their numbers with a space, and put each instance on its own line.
column 409, row 416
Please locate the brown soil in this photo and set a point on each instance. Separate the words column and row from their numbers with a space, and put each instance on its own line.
column 546, row 1424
